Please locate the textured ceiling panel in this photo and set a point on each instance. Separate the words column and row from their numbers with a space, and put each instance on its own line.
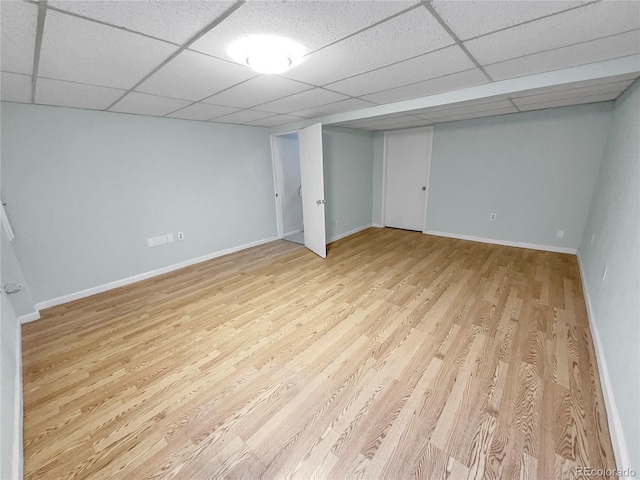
column 303, row 100
column 202, row 111
column 243, row 116
column 472, row 18
column 77, row 95
column 313, row 24
column 586, row 23
column 603, row 97
column 261, row 89
column 467, row 110
column 170, row 20
column 588, row 52
column 607, row 89
column 87, row 52
column 483, row 113
column 400, row 38
column 336, row 107
column 18, row 39
column 144, row 104
column 431, row 65
column 275, row 121
column 447, row 83
column 16, row 87
column 194, row 76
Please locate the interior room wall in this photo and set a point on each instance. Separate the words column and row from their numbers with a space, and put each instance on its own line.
column 11, row 381
column 614, row 227
column 536, row 171
column 21, row 301
column 291, row 183
column 348, row 180
column 376, row 197
column 85, row 189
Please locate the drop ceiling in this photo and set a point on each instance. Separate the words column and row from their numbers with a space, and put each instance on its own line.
column 169, row 58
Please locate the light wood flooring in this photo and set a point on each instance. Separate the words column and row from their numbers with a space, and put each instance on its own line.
column 401, row 355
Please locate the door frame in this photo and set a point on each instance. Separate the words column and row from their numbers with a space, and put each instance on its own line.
column 384, row 174
column 276, row 166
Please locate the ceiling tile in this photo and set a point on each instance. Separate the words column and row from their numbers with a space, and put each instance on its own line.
column 202, row 111
column 586, row 23
column 468, row 116
column 611, row 88
column 431, row 65
column 77, row 95
column 170, row 20
column 599, row 82
column 302, row 100
column 194, row 76
column 145, row 104
column 335, row 107
column 313, row 24
column 394, row 123
column 564, row 102
column 275, row 121
column 580, row 54
column 87, row 52
column 260, row 89
column 466, row 110
column 243, row 117
column 472, row 18
column 454, row 81
column 410, row 34
column 458, row 105
column 15, row 87
column 19, row 20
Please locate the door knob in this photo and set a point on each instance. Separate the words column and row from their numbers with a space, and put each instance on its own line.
column 424, row 188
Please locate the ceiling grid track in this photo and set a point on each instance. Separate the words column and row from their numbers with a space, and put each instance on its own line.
column 42, row 14
column 184, row 47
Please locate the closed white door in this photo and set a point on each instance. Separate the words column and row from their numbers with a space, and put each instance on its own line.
column 407, row 158
column 312, row 177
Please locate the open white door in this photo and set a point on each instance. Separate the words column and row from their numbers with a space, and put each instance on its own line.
column 312, row 176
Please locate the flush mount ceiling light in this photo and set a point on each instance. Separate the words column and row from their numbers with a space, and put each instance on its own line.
column 267, row 53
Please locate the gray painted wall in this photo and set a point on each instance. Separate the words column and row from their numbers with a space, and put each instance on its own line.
column 86, row 189
column 22, row 302
column 348, row 179
column 10, row 371
column 291, row 183
column 614, row 219
column 537, row 171
column 376, row 198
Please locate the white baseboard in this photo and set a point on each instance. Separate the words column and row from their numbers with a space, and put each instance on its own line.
column 346, row 234
column 532, row 246
column 143, row 276
column 613, row 417
column 29, row 317
column 292, row 232
column 18, row 453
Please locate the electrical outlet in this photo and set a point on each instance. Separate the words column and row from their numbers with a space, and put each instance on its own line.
column 180, row 235
column 560, row 234
column 492, row 217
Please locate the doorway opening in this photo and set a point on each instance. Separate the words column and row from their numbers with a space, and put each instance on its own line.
column 286, row 149
column 299, row 185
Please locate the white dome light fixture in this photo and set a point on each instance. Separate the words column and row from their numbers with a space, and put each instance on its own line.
column 267, row 53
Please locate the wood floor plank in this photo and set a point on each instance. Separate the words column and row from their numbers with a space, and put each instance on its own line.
column 401, row 355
